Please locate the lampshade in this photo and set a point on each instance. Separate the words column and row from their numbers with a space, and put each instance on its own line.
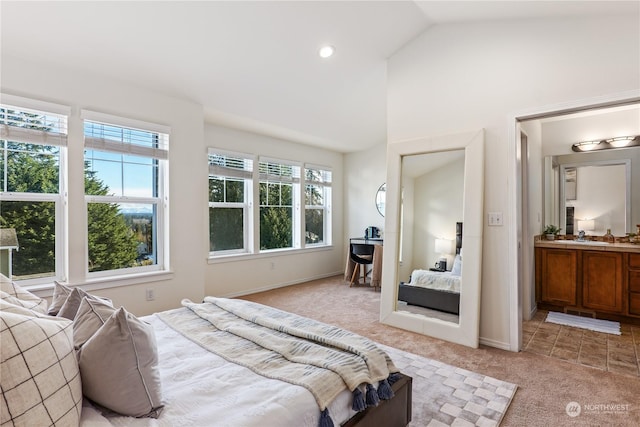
column 586, row 224
column 444, row 246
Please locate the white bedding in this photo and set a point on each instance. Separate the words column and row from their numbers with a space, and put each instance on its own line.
column 444, row 281
column 202, row 389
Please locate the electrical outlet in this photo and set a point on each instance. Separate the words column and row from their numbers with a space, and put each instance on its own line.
column 151, row 294
column 495, row 218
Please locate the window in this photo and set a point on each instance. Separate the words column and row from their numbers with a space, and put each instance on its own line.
column 32, row 154
column 277, row 205
column 279, row 184
column 125, row 193
column 230, row 193
column 317, row 210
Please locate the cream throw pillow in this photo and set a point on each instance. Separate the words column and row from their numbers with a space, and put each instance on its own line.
column 90, row 317
column 39, row 370
column 119, row 367
column 60, row 294
column 72, row 303
column 27, row 299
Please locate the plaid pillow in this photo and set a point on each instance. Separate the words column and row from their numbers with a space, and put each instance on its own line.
column 27, row 299
column 39, row 370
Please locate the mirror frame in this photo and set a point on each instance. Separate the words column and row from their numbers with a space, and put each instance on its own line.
column 381, row 189
column 466, row 331
column 562, row 202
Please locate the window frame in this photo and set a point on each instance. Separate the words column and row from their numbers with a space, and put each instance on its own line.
column 160, row 154
column 296, row 185
column 326, row 185
column 252, row 230
column 247, row 176
column 60, row 199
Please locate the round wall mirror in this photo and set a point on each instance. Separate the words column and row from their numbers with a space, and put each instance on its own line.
column 380, row 198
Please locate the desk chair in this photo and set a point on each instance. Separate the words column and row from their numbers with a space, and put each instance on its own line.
column 361, row 255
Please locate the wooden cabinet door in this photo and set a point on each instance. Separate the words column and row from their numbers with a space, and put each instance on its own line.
column 602, row 281
column 559, row 270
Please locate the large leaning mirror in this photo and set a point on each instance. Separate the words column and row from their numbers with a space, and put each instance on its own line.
column 433, row 238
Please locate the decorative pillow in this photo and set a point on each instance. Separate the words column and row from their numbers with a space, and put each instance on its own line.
column 456, row 270
column 119, row 367
column 90, row 317
column 72, row 303
column 40, row 377
column 27, row 299
column 60, row 294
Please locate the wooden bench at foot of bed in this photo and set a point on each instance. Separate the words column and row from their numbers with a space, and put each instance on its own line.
column 395, row 412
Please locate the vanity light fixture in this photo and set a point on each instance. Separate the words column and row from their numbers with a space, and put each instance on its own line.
column 326, row 51
column 605, row 144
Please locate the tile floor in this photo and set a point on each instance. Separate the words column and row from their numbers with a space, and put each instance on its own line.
column 613, row 353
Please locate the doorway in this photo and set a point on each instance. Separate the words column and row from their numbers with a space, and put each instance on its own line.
column 526, row 151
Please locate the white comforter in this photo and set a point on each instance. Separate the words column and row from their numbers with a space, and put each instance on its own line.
column 202, row 389
column 444, row 281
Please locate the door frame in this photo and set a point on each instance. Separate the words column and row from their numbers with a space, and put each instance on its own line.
column 514, row 260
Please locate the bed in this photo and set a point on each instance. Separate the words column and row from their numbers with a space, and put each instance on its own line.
column 433, row 289
column 215, row 363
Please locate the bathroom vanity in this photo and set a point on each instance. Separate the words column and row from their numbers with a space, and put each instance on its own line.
column 590, row 278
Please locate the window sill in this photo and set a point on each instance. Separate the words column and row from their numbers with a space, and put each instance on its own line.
column 217, row 259
column 44, row 291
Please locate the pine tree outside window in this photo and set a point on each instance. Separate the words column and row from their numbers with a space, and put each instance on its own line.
column 230, row 194
column 32, row 157
column 279, row 189
column 317, row 205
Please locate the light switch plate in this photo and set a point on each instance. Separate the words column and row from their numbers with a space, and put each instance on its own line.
column 495, row 219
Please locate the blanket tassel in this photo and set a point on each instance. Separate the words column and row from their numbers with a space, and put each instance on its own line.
column 325, row 419
column 358, row 400
column 384, row 390
column 372, row 396
column 393, row 378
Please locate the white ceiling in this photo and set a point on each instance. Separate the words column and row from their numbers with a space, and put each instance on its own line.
column 254, row 65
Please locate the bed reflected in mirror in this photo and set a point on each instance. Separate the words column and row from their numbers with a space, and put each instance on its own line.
column 434, row 221
column 431, row 222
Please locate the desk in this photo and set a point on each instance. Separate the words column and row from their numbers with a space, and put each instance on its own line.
column 376, row 269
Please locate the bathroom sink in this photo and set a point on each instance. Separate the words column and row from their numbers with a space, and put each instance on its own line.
column 578, row 242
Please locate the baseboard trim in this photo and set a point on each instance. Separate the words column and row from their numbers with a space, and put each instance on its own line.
column 493, row 343
column 282, row 285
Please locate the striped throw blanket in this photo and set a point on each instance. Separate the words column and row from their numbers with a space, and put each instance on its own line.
column 284, row 346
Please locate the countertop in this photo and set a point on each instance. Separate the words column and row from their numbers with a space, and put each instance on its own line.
column 588, row 245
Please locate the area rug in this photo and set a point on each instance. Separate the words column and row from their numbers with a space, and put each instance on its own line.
column 598, row 325
column 444, row 395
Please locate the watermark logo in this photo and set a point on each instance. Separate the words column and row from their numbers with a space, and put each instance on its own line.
column 573, row 409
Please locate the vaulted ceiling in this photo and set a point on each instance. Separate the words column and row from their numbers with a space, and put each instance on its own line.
column 254, row 65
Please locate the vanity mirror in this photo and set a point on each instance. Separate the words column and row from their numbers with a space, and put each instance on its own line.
column 586, row 187
column 422, row 209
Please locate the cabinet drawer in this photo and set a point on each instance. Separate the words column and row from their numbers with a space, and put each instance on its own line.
column 634, row 281
column 634, row 303
column 634, row 260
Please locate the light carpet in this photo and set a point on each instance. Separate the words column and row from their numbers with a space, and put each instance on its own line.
column 444, row 395
column 589, row 323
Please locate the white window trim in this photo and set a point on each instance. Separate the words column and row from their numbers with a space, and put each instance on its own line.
column 248, row 178
column 162, row 220
column 60, row 199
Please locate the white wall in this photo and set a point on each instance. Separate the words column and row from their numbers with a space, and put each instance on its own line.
column 242, row 275
column 364, row 172
column 469, row 76
column 188, row 169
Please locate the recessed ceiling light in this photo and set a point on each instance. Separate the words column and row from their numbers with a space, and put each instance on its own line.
column 326, row 51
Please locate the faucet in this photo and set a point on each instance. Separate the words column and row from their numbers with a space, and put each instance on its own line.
column 581, row 236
